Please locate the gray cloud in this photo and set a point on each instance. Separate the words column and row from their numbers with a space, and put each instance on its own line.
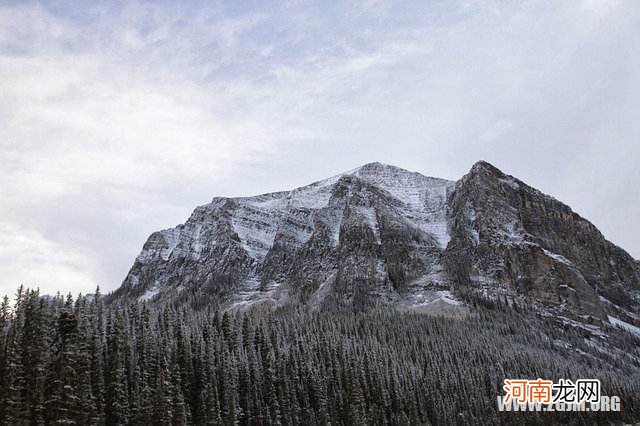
column 117, row 121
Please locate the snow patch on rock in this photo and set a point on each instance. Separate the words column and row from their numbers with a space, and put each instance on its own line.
column 150, row 293
column 369, row 215
column 557, row 257
column 616, row 322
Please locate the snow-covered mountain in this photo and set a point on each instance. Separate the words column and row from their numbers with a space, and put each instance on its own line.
column 381, row 234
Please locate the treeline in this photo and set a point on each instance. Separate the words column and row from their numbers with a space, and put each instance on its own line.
column 67, row 360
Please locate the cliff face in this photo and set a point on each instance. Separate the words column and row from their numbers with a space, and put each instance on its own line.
column 381, row 234
column 511, row 239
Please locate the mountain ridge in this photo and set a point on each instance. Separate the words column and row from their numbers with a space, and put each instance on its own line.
column 382, row 234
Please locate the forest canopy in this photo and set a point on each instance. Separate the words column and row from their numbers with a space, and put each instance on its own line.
column 66, row 360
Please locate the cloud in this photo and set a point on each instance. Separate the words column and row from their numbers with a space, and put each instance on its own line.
column 89, row 140
column 35, row 259
column 117, row 121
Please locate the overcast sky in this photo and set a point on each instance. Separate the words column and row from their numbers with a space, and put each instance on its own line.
column 117, row 119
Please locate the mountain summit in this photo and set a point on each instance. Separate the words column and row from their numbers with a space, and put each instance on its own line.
column 382, row 234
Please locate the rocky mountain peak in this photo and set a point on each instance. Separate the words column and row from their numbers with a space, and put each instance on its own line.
column 485, row 166
column 377, row 169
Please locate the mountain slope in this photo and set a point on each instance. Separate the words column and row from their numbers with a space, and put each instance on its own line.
column 381, row 234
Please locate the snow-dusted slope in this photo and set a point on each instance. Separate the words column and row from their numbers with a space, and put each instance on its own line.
column 252, row 243
column 424, row 198
column 258, row 219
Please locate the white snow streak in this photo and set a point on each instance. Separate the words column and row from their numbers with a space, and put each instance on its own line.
column 557, row 257
column 624, row 325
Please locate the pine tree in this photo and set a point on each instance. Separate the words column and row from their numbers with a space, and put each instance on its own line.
column 14, row 406
column 5, row 320
column 117, row 397
column 88, row 407
column 63, row 403
column 96, row 348
column 34, row 347
column 163, row 401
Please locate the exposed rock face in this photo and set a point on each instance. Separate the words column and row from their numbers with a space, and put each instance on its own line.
column 510, row 238
column 380, row 233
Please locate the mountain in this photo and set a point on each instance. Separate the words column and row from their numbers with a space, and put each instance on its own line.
column 380, row 234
